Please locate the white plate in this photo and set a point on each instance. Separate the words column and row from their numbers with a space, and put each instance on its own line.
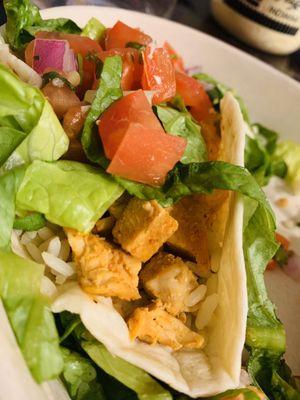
column 272, row 98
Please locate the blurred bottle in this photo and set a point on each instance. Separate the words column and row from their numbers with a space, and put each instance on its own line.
column 269, row 25
column 163, row 8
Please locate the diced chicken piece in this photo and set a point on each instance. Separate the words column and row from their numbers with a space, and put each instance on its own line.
column 143, row 228
column 117, row 208
column 167, row 278
column 102, row 268
column 104, row 225
column 211, row 132
column 195, row 216
column 153, row 325
column 125, row 308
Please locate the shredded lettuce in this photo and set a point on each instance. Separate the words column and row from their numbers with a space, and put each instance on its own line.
column 29, row 315
column 10, row 138
column 290, row 153
column 24, row 20
column 260, row 156
column 265, row 337
column 181, row 124
column 247, row 394
column 108, row 91
column 9, row 185
column 30, row 222
column 202, row 178
column 80, row 377
column 68, row 193
column 29, row 128
column 94, row 29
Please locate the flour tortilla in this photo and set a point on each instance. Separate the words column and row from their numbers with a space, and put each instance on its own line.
column 217, row 367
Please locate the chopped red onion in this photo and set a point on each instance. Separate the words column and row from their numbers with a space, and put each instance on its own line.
column 70, row 63
column 292, row 268
column 196, row 69
column 53, row 53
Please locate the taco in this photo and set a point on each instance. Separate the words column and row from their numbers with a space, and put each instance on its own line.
column 124, row 246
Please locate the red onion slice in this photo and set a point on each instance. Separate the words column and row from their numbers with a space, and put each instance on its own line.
column 53, row 53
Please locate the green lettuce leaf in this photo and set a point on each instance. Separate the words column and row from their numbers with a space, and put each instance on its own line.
column 10, row 138
column 259, row 155
column 68, row 193
column 9, row 185
column 265, row 336
column 30, row 222
column 94, row 29
column 109, row 91
column 80, row 377
column 290, row 153
column 29, row 128
column 263, row 328
column 181, row 124
column 131, row 376
column 24, row 20
column 247, row 393
column 29, row 315
column 200, row 178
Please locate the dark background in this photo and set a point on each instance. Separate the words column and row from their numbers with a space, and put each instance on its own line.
column 196, row 14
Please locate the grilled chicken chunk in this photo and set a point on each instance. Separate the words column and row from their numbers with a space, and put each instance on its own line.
column 102, row 268
column 168, row 278
column 195, row 237
column 143, row 228
column 153, row 325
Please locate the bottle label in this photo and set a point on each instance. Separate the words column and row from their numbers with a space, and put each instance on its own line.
column 279, row 15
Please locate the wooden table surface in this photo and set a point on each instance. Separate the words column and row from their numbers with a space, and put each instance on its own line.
column 196, row 14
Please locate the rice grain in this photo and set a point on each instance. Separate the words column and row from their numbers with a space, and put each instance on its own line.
column 206, row 310
column 195, row 296
column 57, row 264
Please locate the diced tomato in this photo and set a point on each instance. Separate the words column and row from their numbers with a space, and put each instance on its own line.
column 158, row 74
column 114, row 122
column 177, row 61
column 29, row 51
column 283, row 241
column 121, row 34
column 132, row 67
column 272, row 264
column 194, row 96
column 146, row 155
column 81, row 45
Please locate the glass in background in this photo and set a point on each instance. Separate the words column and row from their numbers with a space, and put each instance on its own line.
column 163, row 8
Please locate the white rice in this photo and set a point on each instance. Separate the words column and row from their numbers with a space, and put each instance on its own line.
column 44, row 245
column 212, row 284
column 54, row 246
column 57, row 264
column 196, row 296
column 48, row 288
column 64, row 253
column 45, row 233
column 206, row 310
column 48, row 246
column 34, row 252
column 27, row 237
column 17, row 248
